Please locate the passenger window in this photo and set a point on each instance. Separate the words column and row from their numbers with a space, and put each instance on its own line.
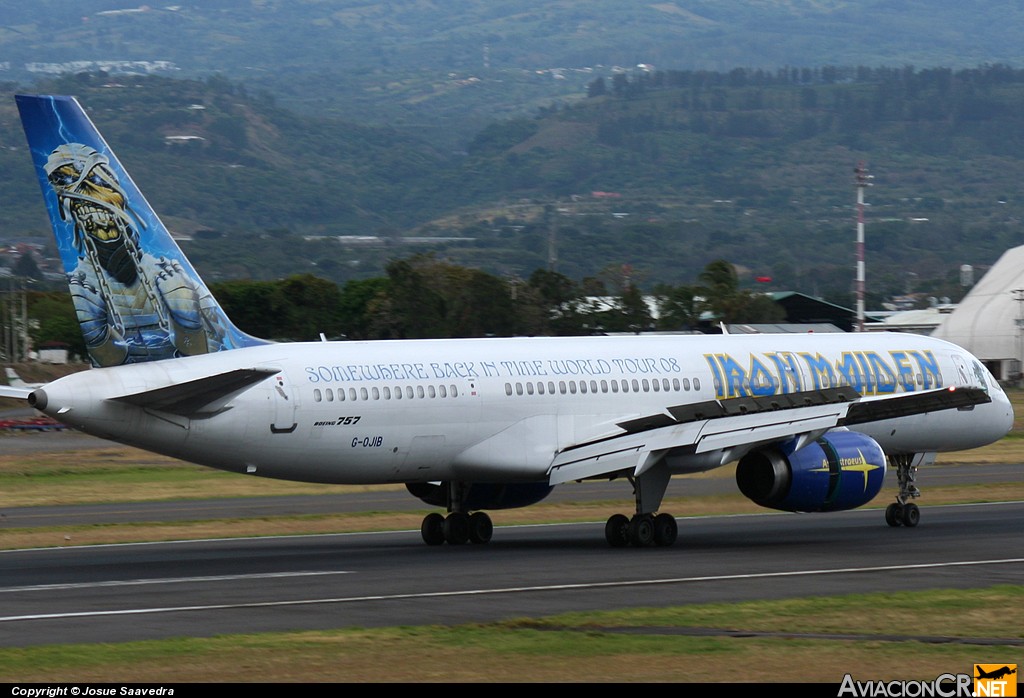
column 317, row 395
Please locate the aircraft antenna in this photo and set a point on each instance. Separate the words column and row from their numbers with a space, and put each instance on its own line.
column 863, row 180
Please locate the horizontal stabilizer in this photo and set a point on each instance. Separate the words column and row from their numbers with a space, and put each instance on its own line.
column 201, row 396
column 15, row 392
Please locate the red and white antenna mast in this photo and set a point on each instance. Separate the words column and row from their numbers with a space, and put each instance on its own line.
column 863, row 179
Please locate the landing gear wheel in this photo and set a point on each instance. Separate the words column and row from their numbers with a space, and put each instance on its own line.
column 432, row 529
column 616, row 531
column 894, row 514
column 456, row 528
column 641, row 530
column 665, row 530
column 481, row 528
column 911, row 515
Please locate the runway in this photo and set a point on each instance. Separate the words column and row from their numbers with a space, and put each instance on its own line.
column 140, row 591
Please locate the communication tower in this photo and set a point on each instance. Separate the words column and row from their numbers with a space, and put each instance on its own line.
column 863, row 180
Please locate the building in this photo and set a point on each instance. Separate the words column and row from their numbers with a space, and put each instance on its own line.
column 989, row 322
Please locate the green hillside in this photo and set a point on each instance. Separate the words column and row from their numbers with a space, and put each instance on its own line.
column 661, row 171
column 447, row 69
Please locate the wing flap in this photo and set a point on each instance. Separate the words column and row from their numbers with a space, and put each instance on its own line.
column 200, row 396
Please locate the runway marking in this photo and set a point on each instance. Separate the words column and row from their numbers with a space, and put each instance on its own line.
column 506, row 590
column 167, row 580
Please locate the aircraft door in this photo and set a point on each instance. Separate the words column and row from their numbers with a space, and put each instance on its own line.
column 281, row 403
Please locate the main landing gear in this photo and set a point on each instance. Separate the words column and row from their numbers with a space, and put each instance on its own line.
column 645, row 528
column 457, row 528
column 641, row 531
column 903, row 512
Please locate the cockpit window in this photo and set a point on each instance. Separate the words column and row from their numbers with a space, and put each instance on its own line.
column 982, row 376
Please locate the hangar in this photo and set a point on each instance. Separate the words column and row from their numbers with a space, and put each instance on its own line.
column 989, row 322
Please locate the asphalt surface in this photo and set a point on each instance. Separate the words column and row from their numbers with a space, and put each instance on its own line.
column 204, row 588
column 140, row 591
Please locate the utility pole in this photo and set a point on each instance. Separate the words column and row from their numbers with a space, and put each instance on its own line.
column 863, row 180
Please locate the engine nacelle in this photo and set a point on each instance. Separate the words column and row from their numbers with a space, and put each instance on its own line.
column 842, row 470
column 481, row 495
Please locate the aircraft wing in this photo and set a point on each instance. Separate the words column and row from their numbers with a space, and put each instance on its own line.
column 738, row 425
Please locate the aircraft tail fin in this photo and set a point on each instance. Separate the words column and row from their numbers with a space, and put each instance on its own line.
column 136, row 295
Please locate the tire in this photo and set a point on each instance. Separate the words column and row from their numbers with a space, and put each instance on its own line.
column 911, row 515
column 894, row 514
column 481, row 528
column 666, row 530
column 641, row 530
column 616, row 531
column 456, row 528
column 432, row 529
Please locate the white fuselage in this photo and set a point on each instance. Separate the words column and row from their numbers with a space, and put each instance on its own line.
column 498, row 410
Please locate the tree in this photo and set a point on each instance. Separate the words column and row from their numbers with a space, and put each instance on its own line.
column 55, row 321
column 724, row 298
column 677, row 307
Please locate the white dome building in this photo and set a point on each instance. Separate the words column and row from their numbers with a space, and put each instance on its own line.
column 986, row 321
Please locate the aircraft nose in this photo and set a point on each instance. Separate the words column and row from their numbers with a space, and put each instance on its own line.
column 999, row 416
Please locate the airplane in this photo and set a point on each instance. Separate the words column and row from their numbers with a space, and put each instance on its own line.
column 813, row 421
column 995, row 674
